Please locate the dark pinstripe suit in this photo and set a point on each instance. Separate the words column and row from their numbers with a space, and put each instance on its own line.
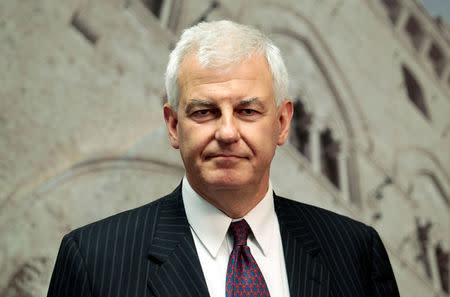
column 149, row 251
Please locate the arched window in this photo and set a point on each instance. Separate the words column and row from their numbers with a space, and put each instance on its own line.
column 431, row 200
column 443, row 263
column 154, row 6
column 329, row 157
column 393, row 8
column 167, row 11
column 414, row 31
column 300, row 134
column 320, row 129
column 414, row 92
column 437, row 59
column 422, row 237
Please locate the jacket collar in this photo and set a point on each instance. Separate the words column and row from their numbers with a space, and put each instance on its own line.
column 176, row 271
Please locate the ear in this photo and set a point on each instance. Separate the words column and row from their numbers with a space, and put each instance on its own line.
column 171, row 118
column 284, row 114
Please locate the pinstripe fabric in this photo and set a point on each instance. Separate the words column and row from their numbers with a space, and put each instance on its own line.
column 179, row 272
column 149, row 251
column 331, row 255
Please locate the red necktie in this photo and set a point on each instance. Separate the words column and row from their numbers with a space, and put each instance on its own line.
column 244, row 279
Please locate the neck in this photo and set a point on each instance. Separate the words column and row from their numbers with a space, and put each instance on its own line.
column 235, row 202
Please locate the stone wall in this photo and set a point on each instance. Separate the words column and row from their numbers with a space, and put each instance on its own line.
column 81, row 121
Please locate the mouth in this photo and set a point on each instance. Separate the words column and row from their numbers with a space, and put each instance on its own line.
column 224, row 157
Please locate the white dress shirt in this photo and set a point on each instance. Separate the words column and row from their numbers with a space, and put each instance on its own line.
column 209, row 228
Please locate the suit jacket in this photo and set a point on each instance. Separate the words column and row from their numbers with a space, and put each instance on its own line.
column 149, row 251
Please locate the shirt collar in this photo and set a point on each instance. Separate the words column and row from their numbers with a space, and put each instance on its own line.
column 211, row 225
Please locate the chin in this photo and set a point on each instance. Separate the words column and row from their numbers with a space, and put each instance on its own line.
column 227, row 181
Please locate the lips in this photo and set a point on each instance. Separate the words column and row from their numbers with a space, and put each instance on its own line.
column 225, row 156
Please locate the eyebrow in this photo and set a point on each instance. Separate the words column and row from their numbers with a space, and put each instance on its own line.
column 247, row 102
column 198, row 102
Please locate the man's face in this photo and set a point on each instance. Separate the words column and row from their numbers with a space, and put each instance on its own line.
column 227, row 125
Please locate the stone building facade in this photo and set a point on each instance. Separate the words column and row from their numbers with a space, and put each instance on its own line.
column 81, row 122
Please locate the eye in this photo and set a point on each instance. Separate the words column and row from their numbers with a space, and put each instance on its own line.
column 202, row 114
column 248, row 112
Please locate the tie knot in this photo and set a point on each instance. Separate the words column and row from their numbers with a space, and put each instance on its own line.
column 239, row 230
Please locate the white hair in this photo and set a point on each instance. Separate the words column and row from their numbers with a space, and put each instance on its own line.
column 224, row 43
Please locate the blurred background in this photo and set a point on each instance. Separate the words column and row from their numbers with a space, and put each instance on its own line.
column 82, row 134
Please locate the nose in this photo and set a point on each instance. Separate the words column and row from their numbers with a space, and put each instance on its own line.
column 227, row 129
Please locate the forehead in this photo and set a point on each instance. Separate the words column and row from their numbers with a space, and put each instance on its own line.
column 251, row 74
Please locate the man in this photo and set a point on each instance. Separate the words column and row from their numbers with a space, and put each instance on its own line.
column 223, row 232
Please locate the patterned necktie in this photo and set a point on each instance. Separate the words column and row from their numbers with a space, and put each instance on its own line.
column 244, row 279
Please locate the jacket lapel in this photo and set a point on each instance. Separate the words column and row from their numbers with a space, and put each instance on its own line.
column 307, row 275
column 175, row 269
column 175, row 266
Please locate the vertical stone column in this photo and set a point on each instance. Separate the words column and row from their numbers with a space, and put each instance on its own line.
column 424, row 46
column 436, row 278
column 315, row 147
column 166, row 10
column 343, row 172
column 402, row 19
column 446, row 73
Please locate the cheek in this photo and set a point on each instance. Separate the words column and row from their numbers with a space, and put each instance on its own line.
column 263, row 140
column 192, row 140
column 270, row 139
column 269, row 132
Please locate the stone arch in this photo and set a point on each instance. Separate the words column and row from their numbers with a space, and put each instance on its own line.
column 413, row 162
column 85, row 192
column 337, row 126
column 297, row 26
column 423, row 178
column 349, row 122
column 437, row 184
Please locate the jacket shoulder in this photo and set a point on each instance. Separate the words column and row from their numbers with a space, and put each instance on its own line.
column 122, row 222
column 114, row 248
column 331, row 231
column 316, row 215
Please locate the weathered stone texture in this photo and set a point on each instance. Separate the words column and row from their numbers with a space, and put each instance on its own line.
column 82, row 135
